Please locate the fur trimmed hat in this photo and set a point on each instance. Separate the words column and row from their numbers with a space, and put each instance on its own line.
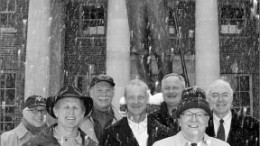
column 193, row 97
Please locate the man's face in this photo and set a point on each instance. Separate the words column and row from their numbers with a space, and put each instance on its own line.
column 136, row 100
column 193, row 123
column 69, row 112
column 172, row 89
column 102, row 94
column 220, row 99
column 35, row 116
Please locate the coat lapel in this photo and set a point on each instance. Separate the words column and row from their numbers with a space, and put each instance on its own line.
column 126, row 132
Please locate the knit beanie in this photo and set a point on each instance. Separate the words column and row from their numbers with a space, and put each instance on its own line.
column 193, row 97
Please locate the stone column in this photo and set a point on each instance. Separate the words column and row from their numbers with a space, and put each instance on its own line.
column 118, row 47
column 207, row 43
column 57, row 45
column 44, row 47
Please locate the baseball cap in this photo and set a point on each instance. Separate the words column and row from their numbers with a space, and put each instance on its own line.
column 102, row 77
column 34, row 101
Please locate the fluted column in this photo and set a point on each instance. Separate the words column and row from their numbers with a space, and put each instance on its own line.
column 207, row 42
column 118, row 47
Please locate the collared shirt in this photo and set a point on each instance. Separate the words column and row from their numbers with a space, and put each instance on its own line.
column 75, row 141
column 227, row 123
column 179, row 140
column 16, row 137
column 140, row 131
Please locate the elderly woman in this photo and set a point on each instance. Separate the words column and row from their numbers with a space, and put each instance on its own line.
column 69, row 107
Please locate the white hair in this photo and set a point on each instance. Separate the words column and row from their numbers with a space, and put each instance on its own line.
column 179, row 77
column 219, row 82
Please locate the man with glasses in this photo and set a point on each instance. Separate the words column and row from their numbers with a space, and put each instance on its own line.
column 103, row 113
column 164, row 121
column 236, row 128
column 68, row 107
column 193, row 113
column 33, row 121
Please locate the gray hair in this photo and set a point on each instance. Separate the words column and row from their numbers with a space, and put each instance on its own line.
column 217, row 83
column 136, row 82
column 179, row 77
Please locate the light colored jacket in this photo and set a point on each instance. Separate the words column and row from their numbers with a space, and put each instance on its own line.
column 87, row 125
column 179, row 140
column 16, row 137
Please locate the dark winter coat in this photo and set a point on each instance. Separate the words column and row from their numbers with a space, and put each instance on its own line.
column 45, row 138
column 120, row 134
column 244, row 130
column 161, row 124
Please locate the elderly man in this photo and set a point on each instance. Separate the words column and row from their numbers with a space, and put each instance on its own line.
column 165, row 120
column 131, row 130
column 69, row 107
column 103, row 114
column 193, row 113
column 33, row 121
column 226, row 124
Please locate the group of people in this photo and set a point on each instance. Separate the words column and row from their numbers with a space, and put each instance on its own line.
column 187, row 117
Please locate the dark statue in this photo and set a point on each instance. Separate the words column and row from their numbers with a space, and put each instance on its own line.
column 149, row 39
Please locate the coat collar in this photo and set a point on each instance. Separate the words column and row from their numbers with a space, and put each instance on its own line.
column 21, row 131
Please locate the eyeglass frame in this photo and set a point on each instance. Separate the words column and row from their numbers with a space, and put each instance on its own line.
column 36, row 111
column 198, row 115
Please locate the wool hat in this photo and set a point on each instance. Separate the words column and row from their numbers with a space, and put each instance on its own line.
column 69, row 92
column 193, row 97
column 34, row 101
column 102, row 77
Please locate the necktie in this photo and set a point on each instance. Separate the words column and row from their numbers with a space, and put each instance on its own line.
column 193, row 144
column 221, row 130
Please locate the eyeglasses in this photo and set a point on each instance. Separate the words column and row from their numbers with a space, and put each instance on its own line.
column 34, row 111
column 198, row 115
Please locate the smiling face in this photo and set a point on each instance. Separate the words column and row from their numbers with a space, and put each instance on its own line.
column 220, row 97
column 69, row 112
column 172, row 89
column 193, row 123
column 102, row 94
column 35, row 116
column 136, row 100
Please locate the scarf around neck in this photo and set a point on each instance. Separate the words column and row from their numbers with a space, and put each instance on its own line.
column 34, row 130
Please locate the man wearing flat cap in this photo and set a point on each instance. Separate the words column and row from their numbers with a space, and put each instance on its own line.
column 103, row 114
column 193, row 113
column 69, row 107
column 33, row 121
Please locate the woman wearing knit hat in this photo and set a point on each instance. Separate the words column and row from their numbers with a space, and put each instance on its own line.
column 193, row 113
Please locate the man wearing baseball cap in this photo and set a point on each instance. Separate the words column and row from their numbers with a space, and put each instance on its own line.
column 104, row 114
column 33, row 121
column 69, row 107
column 193, row 113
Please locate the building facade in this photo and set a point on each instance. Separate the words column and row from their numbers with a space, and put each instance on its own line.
column 45, row 44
